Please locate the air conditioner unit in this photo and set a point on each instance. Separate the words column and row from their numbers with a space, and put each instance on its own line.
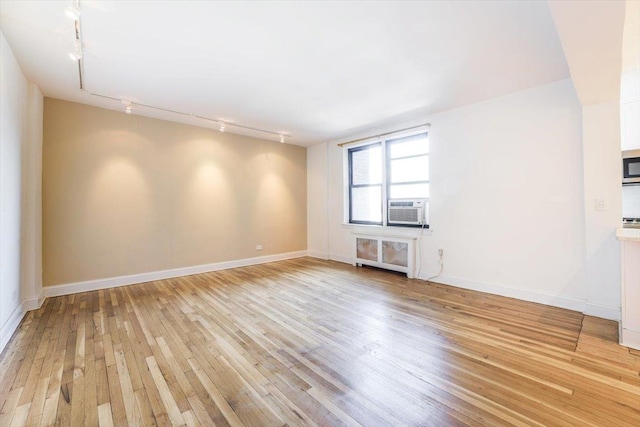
column 407, row 212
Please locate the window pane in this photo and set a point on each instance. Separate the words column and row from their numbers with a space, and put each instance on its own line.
column 408, row 191
column 409, row 146
column 366, row 204
column 366, row 166
column 409, row 170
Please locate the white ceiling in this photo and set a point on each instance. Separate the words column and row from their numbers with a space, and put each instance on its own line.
column 317, row 70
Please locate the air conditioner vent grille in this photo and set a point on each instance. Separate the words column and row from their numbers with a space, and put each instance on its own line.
column 403, row 215
column 407, row 211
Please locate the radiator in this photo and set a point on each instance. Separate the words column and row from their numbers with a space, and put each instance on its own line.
column 391, row 253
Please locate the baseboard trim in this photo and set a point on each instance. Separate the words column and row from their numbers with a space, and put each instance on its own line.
column 35, row 302
column 603, row 311
column 318, row 254
column 11, row 325
column 575, row 304
column 112, row 282
column 339, row 258
column 630, row 338
column 560, row 301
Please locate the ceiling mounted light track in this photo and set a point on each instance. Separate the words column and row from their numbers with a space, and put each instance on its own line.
column 77, row 52
column 280, row 135
column 74, row 13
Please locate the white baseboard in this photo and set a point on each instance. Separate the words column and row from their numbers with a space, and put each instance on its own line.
column 112, row 282
column 532, row 296
column 575, row 304
column 10, row 326
column 603, row 311
column 35, row 302
column 339, row 258
column 630, row 338
column 318, row 254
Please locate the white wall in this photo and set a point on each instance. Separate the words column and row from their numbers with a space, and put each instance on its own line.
column 630, row 122
column 507, row 201
column 317, row 187
column 20, row 153
column 602, row 181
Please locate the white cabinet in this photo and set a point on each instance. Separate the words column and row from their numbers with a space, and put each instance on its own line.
column 630, row 323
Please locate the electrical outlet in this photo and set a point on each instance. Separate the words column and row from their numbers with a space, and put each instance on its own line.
column 601, row 205
column 258, row 247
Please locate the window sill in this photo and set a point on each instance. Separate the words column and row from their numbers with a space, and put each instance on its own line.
column 387, row 231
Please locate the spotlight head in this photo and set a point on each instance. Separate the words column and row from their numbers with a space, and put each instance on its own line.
column 77, row 52
column 73, row 12
column 75, row 56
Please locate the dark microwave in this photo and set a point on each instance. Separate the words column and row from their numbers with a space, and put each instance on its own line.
column 630, row 166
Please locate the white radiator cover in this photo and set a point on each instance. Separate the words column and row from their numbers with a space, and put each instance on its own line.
column 389, row 252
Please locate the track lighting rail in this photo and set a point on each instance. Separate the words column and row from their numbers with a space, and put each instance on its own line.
column 74, row 12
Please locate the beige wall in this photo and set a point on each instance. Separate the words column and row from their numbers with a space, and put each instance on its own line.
column 125, row 194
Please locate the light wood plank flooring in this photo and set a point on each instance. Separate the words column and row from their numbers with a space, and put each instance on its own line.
column 310, row 342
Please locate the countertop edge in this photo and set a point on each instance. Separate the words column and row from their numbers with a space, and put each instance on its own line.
column 628, row 234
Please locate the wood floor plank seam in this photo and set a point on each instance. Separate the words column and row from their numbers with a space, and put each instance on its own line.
column 307, row 342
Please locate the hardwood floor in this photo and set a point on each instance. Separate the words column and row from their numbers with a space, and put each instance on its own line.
column 310, row 342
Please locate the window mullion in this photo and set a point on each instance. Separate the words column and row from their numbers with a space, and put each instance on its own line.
column 385, row 180
column 366, row 185
column 409, row 157
column 409, row 182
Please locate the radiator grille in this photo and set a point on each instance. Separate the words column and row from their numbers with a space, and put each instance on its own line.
column 392, row 253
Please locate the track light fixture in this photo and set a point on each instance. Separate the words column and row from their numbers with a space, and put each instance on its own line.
column 221, row 123
column 128, row 106
column 75, row 56
column 73, row 11
column 77, row 52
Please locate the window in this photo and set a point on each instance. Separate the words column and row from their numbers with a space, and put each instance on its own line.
column 365, row 184
column 394, row 168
